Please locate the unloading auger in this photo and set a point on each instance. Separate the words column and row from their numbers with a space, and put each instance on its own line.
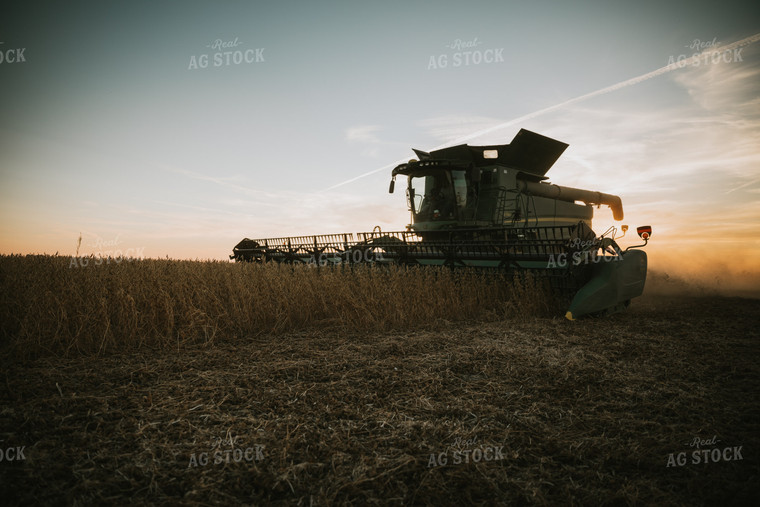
column 489, row 207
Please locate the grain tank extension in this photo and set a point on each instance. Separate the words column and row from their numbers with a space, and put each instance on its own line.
column 490, row 207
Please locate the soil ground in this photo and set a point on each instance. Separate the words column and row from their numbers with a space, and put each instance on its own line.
column 596, row 411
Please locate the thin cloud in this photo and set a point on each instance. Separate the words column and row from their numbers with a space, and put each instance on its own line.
column 363, row 133
column 229, row 182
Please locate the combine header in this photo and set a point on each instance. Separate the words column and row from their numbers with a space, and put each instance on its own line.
column 489, row 207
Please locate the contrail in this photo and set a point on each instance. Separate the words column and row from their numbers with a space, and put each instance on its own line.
column 743, row 186
column 612, row 88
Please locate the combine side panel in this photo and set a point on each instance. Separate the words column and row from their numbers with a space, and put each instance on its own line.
column 612, row 286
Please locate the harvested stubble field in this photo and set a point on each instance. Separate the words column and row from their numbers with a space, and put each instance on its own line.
column 120, row 378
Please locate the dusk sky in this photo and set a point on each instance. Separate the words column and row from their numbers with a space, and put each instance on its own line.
column 121, row 123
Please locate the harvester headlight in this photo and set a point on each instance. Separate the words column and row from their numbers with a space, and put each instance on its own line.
column 645, row 231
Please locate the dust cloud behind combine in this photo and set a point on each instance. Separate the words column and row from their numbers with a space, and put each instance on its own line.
column 696, row 273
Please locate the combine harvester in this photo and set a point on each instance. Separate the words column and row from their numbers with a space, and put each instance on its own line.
column 490, row 207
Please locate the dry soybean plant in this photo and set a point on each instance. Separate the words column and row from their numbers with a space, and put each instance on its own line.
column 53, row 305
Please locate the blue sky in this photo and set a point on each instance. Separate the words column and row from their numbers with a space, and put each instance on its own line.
column 108, row 130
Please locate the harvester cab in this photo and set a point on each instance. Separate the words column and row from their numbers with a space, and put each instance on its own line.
column 494, row 186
